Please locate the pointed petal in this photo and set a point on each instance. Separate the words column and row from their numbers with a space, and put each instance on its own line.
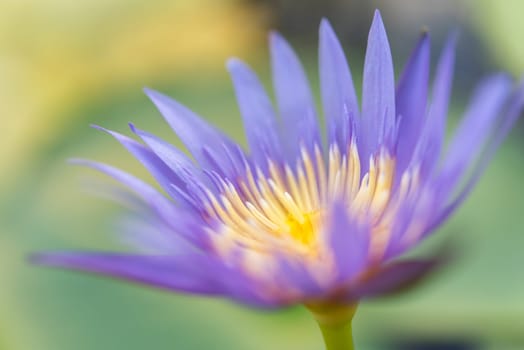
column 515, row 108
column 181, row 221
column 411, row 220
column 152, row 163
column 191, row 179
column 430, row 144
column 411, row 101
column 174, row 158
column 475, row 127
column 295, row 280
column 150, row 236
column 257, row 112
column 192, row 130
column 145, row 191
column 339, row 99
column 395, row 277
column 294, row 98
column 349, row 242
column 378, row 91
column 190, row 273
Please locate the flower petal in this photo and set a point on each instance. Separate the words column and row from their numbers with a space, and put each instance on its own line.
column 411, row 220
column 338, row 93
column 189, row 188
column 475, row 128
column 511, row 115
column 175, row 159
column 163, row 174
column 220, row 152
column 150, row 236
column 430, row 143
column 257, row 112
column 147, row 192
column 378, row 91
column 193, row 273
column 181, row 221
column 295, row 281
column 395, row 277
column 294, row 98
column 349, row 242
column 411, row 101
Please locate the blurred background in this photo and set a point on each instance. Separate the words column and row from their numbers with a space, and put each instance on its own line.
column 67, row 64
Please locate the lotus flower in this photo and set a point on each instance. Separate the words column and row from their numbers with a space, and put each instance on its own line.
column 299, row 219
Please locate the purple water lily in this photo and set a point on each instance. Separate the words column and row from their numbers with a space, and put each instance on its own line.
column 296, row 219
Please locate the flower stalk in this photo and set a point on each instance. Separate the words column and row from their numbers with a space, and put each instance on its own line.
column 335, row 323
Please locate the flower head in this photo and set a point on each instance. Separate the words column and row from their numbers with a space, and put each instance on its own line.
column 296, row 219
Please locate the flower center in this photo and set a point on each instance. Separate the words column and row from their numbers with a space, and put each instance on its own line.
column 284, row 209
column 303, row 231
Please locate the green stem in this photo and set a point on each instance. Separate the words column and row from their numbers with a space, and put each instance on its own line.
column 335, row 324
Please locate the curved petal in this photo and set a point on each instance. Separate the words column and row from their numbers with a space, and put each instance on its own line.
column 475, row 128
column 181, row 221
column 349, row 242
column 513, row 112
column 395, row 277
column 145, row 191
column 193, row 273
column 257, row 112
column 294, row 98
column 430, row 143
column 378, row 91
column 163, row 174
column 411, row 221
column 411, row 101
column 339, row 99
column 150, row 236
column 192, row 130
column 191, row 179
column 175, row 159
column 296, row 280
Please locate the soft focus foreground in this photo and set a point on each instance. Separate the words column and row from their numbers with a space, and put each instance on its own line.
column 67, row 66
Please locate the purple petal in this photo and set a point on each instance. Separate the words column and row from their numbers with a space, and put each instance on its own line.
column 475, row 128
column 190, row 273
column 145, row 191
column 411, row 219
column 191, row 179
column 257, row 112
column 192, row 130
column 182, row 222
column 394, row 278
column 338, row 94
column 411, row 101
column 150, row 236
column 295, row 276
column 152, row 163
column 294, row 98
column 513, row 112
column 169, row 154
column 349, row 242
column 430, row 144
column 378, row 91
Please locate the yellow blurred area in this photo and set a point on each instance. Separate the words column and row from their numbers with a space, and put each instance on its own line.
column 57, row 54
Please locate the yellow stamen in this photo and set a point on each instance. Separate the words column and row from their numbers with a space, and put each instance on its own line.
column 285, row 209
